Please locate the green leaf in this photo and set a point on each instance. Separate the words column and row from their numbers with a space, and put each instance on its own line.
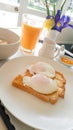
column 54, row 6
column 47, row 7
column 63, row 5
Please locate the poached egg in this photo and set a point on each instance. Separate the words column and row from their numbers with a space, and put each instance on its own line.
column 42, row 67
column 41, row 83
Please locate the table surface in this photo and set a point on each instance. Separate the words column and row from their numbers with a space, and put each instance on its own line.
column 18, row 125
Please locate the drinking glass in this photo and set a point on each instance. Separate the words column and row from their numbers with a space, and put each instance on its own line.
column 31, row 29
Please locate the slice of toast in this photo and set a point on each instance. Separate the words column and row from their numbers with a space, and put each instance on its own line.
column 52, row 98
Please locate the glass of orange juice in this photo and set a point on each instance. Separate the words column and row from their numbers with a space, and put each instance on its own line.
column 31, row 29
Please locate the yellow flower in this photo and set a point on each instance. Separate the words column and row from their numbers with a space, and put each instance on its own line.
column 49, row 23
column 59, row 24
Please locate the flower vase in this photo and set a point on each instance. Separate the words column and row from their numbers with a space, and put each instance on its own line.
column 49, row 44
column 52, row 34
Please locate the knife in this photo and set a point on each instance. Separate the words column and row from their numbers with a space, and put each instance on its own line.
column 6, row 118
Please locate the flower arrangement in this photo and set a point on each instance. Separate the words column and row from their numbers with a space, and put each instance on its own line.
column 56, row 21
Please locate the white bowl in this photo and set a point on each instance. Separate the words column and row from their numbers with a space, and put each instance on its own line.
column 13, row 40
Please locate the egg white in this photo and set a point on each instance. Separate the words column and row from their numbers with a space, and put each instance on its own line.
column 41, row 83
column 42, row 67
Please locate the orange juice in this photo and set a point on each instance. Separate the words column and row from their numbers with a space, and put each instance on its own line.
column 30, row 35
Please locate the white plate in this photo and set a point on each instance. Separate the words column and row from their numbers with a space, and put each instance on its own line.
column 28, row 108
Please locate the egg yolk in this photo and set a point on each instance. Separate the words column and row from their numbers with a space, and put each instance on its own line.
column 67, row 60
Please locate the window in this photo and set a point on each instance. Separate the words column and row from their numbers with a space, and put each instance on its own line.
column 11, row 10
column 70, row 9
column 9, row 13
column 38, row 4
column 36, row 7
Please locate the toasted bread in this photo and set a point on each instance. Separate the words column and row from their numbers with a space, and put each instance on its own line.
column 52, row 98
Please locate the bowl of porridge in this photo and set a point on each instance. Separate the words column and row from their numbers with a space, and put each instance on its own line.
column 9, row 43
